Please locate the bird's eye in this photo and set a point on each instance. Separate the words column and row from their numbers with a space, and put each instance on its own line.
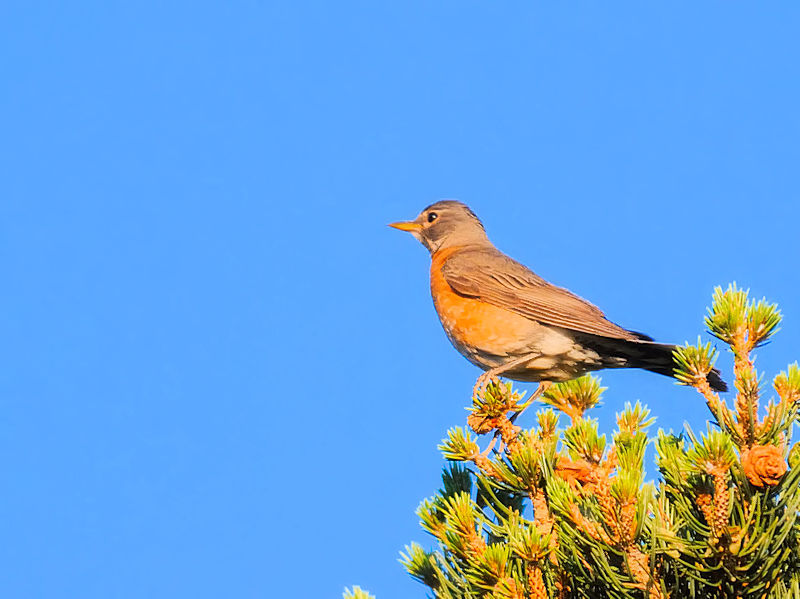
column 432, row 216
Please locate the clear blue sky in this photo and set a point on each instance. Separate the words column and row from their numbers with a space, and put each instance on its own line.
column 222, row 375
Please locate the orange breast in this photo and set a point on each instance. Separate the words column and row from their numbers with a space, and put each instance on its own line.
column 474, row 326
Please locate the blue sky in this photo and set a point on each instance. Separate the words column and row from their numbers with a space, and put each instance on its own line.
column 222, row 374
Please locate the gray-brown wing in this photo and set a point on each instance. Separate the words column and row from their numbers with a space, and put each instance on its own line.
column 493, row 277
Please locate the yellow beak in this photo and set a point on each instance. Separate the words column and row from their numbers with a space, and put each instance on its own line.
column 409, row 226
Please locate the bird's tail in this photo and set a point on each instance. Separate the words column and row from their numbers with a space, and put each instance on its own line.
column 655, row 357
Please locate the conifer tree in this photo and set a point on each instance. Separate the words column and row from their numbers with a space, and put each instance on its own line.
column 561, row 511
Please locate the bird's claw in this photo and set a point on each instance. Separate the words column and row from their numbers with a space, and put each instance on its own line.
column 482, row 383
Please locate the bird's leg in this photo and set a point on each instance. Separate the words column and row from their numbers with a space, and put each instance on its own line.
column 541, row 388
column 493, row 374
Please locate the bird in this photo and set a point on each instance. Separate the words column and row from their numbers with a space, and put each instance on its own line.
column 509, row 321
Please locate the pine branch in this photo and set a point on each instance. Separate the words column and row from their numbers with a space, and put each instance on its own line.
column 562, row 512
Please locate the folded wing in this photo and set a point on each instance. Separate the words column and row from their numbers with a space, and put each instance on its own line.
column 491, row 276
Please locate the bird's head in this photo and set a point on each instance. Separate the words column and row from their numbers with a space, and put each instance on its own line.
column 445, row 224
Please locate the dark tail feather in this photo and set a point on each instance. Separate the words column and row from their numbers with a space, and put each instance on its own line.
column 666, row 366
column 655, row 357
column 716, row 382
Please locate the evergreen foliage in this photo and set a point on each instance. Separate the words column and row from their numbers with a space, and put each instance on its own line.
column 560, row 511
column 357, row 593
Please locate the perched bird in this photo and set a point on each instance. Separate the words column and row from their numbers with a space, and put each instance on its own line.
column 508, row 321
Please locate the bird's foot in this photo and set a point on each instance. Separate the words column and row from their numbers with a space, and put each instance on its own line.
column 482, row 383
